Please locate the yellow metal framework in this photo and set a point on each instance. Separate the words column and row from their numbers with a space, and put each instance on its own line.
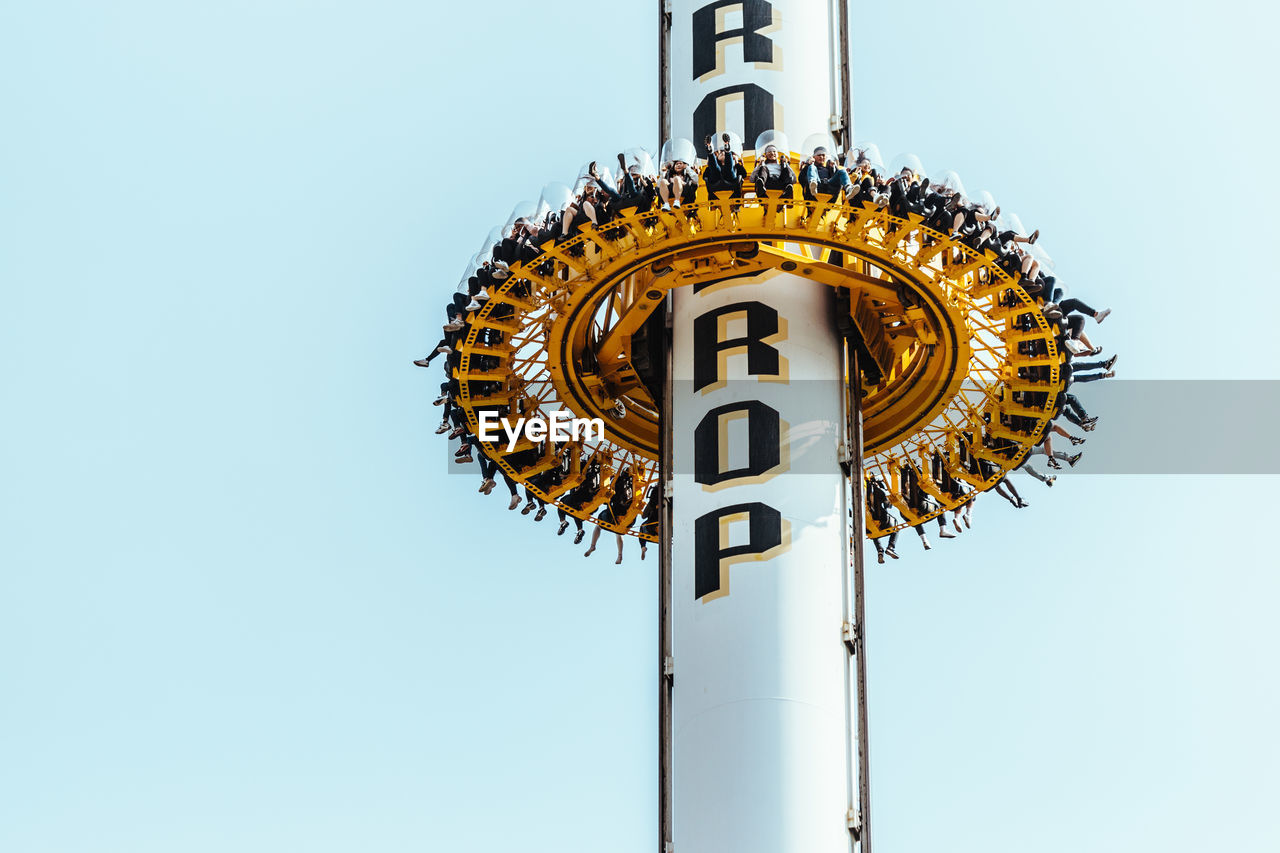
column 950, row 332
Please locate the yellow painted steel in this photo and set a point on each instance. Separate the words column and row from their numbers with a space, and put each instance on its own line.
column 969, row 365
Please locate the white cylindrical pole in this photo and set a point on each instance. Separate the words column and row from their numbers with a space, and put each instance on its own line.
column 760, row 728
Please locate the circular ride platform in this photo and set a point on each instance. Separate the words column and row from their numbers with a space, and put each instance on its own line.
column 960, row 368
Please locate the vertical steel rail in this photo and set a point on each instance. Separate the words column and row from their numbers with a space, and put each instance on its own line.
column 666, row 676
column 664, row 72
column 846, row 80
column 858, row 533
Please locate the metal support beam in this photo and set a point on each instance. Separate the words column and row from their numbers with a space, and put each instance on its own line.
column 858, row 535
column 665, row 673
column 664, row 72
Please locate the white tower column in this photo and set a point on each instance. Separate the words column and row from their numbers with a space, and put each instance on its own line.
column 760, row 722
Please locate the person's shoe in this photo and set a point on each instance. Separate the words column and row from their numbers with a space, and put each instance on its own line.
column 1111, row 362
column 619, row 410
column 484, row 486
column 1110, row 374
column 1035, row 235
column 1094, row 351
column 1054, row 463
column 464, row 448
column 577, row 537
column 1075, row 440
column 880, row 556
column 466, row 458
column 444, row 350
column 443, row 428
column 1072, row 460
column 1049, row 482
column 453, row 325
column 966, row 521
column 483, row 295
column 528, row 507
column 644, row 549
column 457, row 431
column 725, row 138
column 944, row 533
column 955, row 519
column 622, row 165
column 924, row 540
column 564, row 525
column 441, row 400
column 473, row 305
column 1102, row 315
column 1052, row 313
column 1074, row 347
column 421, row 362
column 541, row 514
column 890, row 552
column 1021, row 504
column 515, row 502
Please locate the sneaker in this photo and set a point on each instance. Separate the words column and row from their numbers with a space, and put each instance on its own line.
column 1110, row 363
column 473, row 305
column 457, row 431
column 1075, row 441
column 1072, row 460
column 1054, row 463
column 1021, row 504
column 542, row 513
column 879, row 556
column 528, row 507
column 1049, row 482
column 564, row 525
column 619, row 410
column 1035, row 235
column 1074, row 347
column 1052, row 313
column 483, row 295
column 465, row 448
column 924, row 540
column 441, row 400
column 1102, row 315
column 484, row 486
column 890, row 552
column 515, row 502
column 445, row 350
column 453, row 325
column 488, row 485
column 944, row 533
column 466, row 458
column 577, row 537
column 443, row 428
column 422, row 362
column 956, row 521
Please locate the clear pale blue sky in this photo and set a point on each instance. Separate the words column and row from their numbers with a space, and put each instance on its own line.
column 242, row 609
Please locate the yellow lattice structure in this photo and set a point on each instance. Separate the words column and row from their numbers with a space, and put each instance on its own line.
column 963, row 367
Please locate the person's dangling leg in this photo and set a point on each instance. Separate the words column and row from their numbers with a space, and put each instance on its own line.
column 924, row 540
column 595, row 537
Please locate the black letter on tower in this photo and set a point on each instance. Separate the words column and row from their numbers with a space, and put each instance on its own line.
column 763, row 443
column 762, row 359
column 756, row 15
column 764, row 524
column 757, row 111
